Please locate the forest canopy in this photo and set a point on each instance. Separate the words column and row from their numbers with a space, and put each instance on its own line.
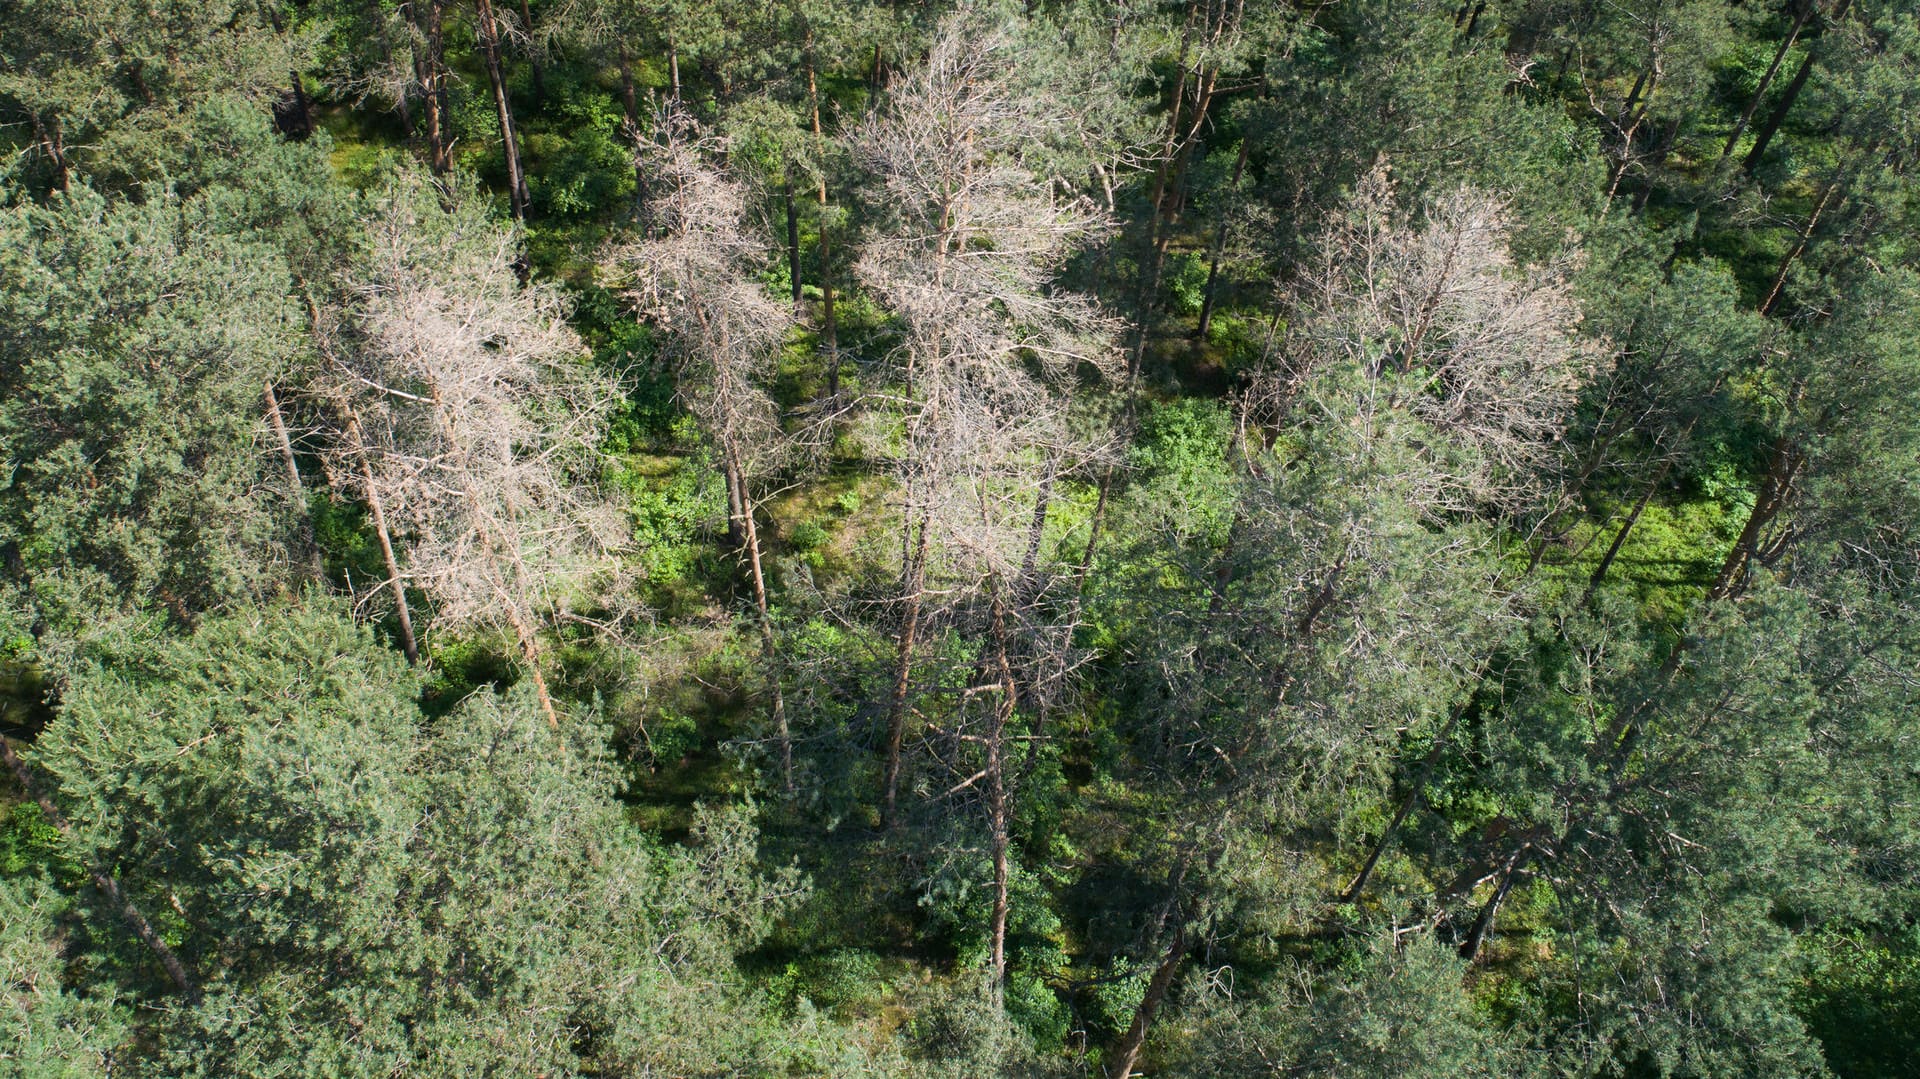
column 1075, row 538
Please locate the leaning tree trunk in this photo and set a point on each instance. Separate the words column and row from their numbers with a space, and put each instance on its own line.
column 430, row 71
column 376, row 504
column 377, row 510
column 509, row 593
column 913, row 583
column 829, row 328
column 533, row 56
column 769, row 644
column 1407, row 802
column 997, row 812
column 1219, row 246
column 1483, row 923
column 630, row 103
column 296, row 494
column 1780, row 111
column 129, row 912
column 1783, row 462
column 1807, row 8
column 1626, row 528
column 793, row 244
column 489, row 34
column 1126, row 1055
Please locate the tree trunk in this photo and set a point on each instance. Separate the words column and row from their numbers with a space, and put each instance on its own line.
column 770, row 648
column 829, row 327
column 1626, row 527
column 376, row 508
column 400, row 106
column 736, row 535
column 1799, row 246
column 1126, row 1055
column 1779, row 114
column 793, row 246
column 489, row 34
column 1628, row 126
column 1483, row 923
column 1093, row 528
column 533, row 57
column 510, row 598
column 1150, row 272
column 630, row 102
column 1473, row 21
column 302, row 125
column 1400, row 814
column 176, row 971
column 997, row 821
column 49, row 136
column 1782, row 463
column 913, row 581
column 295, row 492
column 1807, row 8
column 429, row 67
column 1661, row 151
column 1203, row 99
column 1219, row 245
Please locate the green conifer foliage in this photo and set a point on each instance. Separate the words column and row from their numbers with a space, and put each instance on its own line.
column 138, row 339
column 360, row 891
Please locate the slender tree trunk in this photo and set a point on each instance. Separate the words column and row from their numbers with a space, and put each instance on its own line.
column 489, row 32
column 400, row 107
column 1156, row 250
column 630, row 104
column 533, row 55
column 997, row 814
column 49, row 137
column 509, row 595
column 1126, row 1054
column 430, row 66
column 793, row 245
column 829, row 326
column 1220, row 245
column 303, row 520
column 1774, row 119
column 1771, row 127
column 1405, row 808
column 1661, row 151
column 673, row 70
column 1093, row 527
column 913, row 583
column 1626, row 527
column 1783, row 461
column 1807, row 8
column 302, row 108
column 1473, row 21
column 1629, row 126
column 1036, row 529
column 376, row 508
column 1203, row 100
column 1483, row 923
column 769, row 644
column 1799, row 246
column 129, row 912
column 736, row 535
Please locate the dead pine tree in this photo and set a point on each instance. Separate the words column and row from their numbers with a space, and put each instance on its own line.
column 697, row 278
column 475, row 422
column 965, row 262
